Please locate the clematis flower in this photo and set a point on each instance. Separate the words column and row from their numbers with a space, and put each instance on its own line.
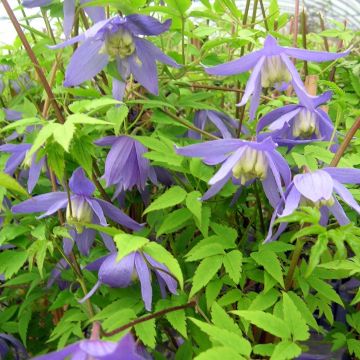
column 125, row 166
column 96, row 13
column 298, row 124
column 225, row 124
column 136, row 265
column 118, row 40
column 319, row 189
column 12, row 115
column 10, row 345
column 18, row 154
column 243, row 162
column 125, row 349
column 272, row 67
column 84, row 208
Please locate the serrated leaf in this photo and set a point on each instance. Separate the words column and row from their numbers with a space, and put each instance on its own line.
column 174, row 221
column 116, row 116
column 264, row 300
column 316, row 251
column 221, row 319
column 174, row 196
column 233, row 264
column 160, row 254
column 269, row 261
column 205, row 272
column 11, row 261
column 203, row 250
column 294, row 319
column 325, row 290
column 194, row 204
column 23, row 325
column 63, row 134
column 286, row 350
column 127, row 243
column 219, row 352
column 268, row 322
column 146, row 332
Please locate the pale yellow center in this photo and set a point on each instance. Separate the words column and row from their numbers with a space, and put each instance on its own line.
column 119, row 44
column 274, row 71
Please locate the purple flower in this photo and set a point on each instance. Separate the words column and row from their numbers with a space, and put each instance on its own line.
column 137, row 265
column 85, row 208
column 12, row 115
column 125, row 349
column 125, row 166
column 298, row 124
column 18, row 154
column 225, row 124
column 243, row 162
column 118, row 39
column 96, row 13
column 272, row 67
column 319, row 189
column 9, row 341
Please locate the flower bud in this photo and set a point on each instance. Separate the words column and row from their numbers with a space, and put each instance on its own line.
column 304, row 124
column 274, row 71
column 119, row 44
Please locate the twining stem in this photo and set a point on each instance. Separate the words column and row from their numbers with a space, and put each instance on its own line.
column 293, row 263
column 149, row 317
column 341, row 150
column 34, row 60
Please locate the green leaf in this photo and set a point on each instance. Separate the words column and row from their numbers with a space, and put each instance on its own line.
column 212, row 245
column 269, row 261
column 194, row 204
column 221, row 319
column 91, row 105
column 205, row 272
column 22, row 123
column 160, row 254
column 325, row 290
column 286, row 350
column 45, row 132
column 82, row 150
column 225, row 337
column 174, row 196
column 11, row 262
column 116, row 116
column 266, row 321
column 55, row 159
column 127, row 243
column 264, row 300
column 63, row 134
column 233, row 264
column 180, row 5
column 354, row 347
column 23, row 324
column 219, row 352
column 146, row 332
column 316, row 251
column 10, row 183
column 295, row 320
column 174, row 221
column 84, row 119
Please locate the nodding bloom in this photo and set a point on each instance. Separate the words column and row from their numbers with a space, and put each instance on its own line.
column 298, row 124
column 10, row 345
column 33, row 166
column 225, row 125
column 84, row 209
column 118, row 40
column 125, row 349
column 243, row 162
column 136, row 265
column 96, row 13
column 272, row 67
column 125, row 166
column 318, row 189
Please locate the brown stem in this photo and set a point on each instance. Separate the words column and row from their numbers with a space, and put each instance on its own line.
column 339, row 46
column 149, row 317
column 341, row 150
column 34, row 60
column 322, row 25
column 264, row 15
column 293, row 263
column 296, row 24
column 303, row 33
column 26, row 20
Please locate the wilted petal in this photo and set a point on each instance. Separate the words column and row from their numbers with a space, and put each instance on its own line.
column 79, row 184
column 146, row 25
column 310, row 55
column 245, row 63
column 145, row 280
column 315, row 186
column 118, row 216
column 41, row 203
column 69, row 15
column 86, row 62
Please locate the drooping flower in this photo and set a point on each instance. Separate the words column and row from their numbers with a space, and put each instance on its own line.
column 84, row 209
column 243, row 162
column 125, row 349
column 298, row 124
column 136, row 265
column 225, row 125
column 125, row 166
column 272, row 67
column 118, row 40
column 18, row 154
column 96, row 13
column 319, row 189
column 10, row 345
